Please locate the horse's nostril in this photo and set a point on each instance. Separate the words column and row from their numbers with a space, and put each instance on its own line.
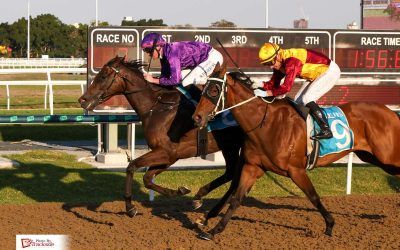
column 197, row 118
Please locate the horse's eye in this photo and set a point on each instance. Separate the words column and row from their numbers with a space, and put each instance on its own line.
column 105, row 74
column 213, row 91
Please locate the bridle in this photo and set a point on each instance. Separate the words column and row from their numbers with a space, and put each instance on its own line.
column 219, row 100
column 117, row 73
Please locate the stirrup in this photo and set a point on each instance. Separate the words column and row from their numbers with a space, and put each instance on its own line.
column 323, row 134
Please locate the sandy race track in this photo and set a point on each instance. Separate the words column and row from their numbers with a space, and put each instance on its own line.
column 362, row 222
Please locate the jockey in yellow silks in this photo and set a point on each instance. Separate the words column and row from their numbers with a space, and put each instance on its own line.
column 320, row 73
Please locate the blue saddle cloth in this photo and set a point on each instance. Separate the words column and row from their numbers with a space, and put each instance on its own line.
column 343, row 137
column 221, row 121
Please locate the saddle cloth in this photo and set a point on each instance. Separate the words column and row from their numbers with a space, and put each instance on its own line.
column 221, row 121
column 343, row 137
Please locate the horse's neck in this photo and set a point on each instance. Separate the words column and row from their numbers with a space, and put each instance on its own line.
column 147, row 99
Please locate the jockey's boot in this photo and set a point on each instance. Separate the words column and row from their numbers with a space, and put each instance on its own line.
column 319, row 117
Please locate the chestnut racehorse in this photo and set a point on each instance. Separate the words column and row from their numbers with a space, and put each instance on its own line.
column 159, row 107
column 276, row 139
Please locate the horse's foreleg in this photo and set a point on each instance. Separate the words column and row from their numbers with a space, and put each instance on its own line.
column 152, row 158
column 148, row 182
column 227, row 196
column 204, row 190
column 130, row 208
column 301, row 179
column 249, row 175
column 231, row 156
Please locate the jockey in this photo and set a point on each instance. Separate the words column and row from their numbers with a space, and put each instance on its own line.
column 183, row 62
column 318, row 70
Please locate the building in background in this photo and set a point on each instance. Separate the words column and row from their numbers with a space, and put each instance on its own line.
column 128, row 18
column 352, row 26
column 300, row 24
column 381, row 14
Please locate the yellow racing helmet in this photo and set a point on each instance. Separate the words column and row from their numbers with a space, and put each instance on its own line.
column 268, row 52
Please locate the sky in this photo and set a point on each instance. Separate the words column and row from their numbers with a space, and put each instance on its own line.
column 322, row 14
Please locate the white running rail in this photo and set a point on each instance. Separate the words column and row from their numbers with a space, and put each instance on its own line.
column 23, row 63
column 48, row 83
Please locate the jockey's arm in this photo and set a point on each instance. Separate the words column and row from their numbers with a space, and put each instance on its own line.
column 175, row 72
column 292, row 68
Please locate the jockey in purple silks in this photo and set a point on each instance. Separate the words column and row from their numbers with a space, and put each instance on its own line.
column 183, row 62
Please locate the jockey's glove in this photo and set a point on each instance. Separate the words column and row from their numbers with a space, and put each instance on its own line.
column 260, row 92
column 256, row 85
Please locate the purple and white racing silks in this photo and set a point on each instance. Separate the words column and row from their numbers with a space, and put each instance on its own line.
column 181, row 58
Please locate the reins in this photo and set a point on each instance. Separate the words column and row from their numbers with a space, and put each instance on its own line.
column 171, row 106
column 221, row 99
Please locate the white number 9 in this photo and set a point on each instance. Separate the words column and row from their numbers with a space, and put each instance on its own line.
column 345, row 134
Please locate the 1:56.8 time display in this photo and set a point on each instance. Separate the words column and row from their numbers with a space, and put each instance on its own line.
column 372, row 59
column 367, row 51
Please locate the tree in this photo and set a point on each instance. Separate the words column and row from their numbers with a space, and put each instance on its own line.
column 17, row 37
column 223, row 23
column 78, row 36
column 4, row 31
column 100, row 23
column 144, row 22
column 51, row 40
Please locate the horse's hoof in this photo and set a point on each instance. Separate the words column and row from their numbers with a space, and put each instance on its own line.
column 206, row 236
column 183, row 190
column 131, row 212
column 328, row 231
column 201, row 221
column 197, row 204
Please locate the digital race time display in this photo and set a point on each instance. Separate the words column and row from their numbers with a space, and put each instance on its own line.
column 367, row 52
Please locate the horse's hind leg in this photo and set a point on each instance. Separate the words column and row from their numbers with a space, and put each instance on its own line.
column 301, row 179
column 148, row 182
column 370, row 158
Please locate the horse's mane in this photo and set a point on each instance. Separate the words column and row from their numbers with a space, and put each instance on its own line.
column 135, row 64
column 242, row 78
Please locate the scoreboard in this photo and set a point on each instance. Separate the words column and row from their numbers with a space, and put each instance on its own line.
column 243, row 45
column 359, row 54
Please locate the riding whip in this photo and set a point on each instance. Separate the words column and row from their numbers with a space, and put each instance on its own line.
column 234, row 63
column 151, row 52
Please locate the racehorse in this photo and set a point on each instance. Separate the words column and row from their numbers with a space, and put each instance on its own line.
column 276, row 139
column 159, row 107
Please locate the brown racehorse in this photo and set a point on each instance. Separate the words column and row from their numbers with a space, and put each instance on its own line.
column 159, row 107
column 276, row 140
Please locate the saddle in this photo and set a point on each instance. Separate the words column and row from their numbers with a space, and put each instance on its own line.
column 312, row 157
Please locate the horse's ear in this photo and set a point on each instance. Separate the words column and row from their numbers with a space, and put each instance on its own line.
column 222, row 70
column 123, row 58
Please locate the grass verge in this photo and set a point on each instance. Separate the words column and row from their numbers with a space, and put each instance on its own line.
column 53, row 176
